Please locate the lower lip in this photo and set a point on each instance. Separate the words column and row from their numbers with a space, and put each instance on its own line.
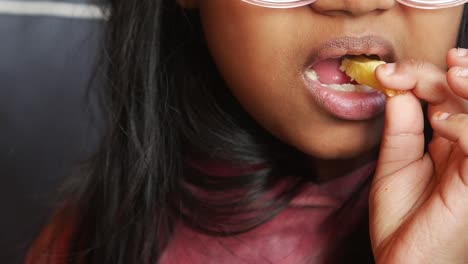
column 346, row 105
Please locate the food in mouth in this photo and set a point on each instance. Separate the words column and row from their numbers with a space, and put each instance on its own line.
column 362, row 70
column 338, row 95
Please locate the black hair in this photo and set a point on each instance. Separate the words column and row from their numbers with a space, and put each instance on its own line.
column 168, row 107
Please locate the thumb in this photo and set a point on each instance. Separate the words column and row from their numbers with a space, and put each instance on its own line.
column 402, row 167
column 403, row 136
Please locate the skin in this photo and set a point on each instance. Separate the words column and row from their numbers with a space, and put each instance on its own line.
column 418, row 211
column 276, row 47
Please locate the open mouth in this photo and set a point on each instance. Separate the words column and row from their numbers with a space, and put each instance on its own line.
column 333, row 90
column 330, row 73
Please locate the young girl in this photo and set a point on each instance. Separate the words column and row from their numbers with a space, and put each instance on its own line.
column 224, row 148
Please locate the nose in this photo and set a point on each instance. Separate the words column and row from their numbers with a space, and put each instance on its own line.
column 354, row 7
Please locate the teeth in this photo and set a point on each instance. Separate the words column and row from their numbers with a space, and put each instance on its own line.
column 364, row 88
column 347, row 87
column 311, row 74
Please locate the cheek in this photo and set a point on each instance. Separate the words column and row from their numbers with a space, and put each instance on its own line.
column 438, row 28
column 250, row 44
column 253, row 54
column 262, row 58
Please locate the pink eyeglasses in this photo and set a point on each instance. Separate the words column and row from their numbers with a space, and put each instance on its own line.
column 423, row 4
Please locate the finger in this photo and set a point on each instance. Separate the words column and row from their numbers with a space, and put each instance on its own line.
column 439, row 149
column 403, row 138
column 453, row 127
column 457, row 78
column 457, row 57
column 427, row 81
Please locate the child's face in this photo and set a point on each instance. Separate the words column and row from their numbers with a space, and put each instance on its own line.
column 263, row 55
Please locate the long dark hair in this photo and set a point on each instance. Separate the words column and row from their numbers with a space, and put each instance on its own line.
column 169, row 108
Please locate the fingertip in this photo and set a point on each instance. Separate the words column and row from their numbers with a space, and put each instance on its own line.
column 393, row 76
column 440, row 116
column 440, row 124
column 384, row 72
column 387, row 69
column 457, row 57
column 451, row 126
column 461, row 52
column 457, row 78
column 381, row 72
column 458, row 71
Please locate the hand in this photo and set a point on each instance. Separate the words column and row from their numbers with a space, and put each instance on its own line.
column 418, row 200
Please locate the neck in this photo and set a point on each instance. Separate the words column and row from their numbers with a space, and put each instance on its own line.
column 334, row 168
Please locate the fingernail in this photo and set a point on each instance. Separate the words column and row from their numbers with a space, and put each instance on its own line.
column 441, row 115
column 389, row 69
column 461, row 52
column 462, row 72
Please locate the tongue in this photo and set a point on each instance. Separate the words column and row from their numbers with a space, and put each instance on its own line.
column 328, row 72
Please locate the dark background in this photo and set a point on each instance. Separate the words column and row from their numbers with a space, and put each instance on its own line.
column 49, row 119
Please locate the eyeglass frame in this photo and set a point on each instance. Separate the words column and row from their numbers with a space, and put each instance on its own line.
column 420, row 4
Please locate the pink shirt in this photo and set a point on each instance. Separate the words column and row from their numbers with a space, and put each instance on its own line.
column 314, row 228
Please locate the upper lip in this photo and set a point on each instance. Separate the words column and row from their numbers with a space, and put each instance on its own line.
column 349, row 45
